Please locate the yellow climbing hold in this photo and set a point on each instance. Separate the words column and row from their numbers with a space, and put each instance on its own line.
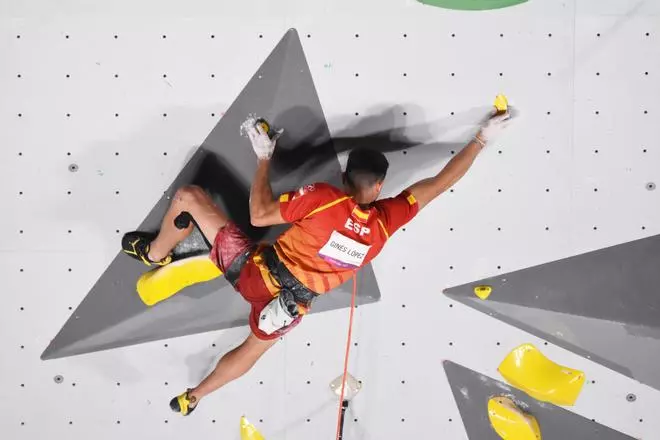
column 483, row 292
column 510, row 422
column 264, row 125
column 159, row 284
column 248, row 431
column 528, row 369
column 501, row 103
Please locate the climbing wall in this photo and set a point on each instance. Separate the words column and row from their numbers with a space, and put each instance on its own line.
column 101, row 106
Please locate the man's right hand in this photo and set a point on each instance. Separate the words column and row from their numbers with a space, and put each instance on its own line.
column 262, row 144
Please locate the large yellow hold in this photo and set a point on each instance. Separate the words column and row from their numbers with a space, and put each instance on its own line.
column 510, row 422
column 248, row 431
column 528, row 369
column 159, row 284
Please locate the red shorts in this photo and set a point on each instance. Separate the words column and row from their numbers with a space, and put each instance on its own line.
column 229, row 243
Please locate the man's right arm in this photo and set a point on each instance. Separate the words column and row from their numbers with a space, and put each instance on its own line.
column 428, row 189
column 264, row 209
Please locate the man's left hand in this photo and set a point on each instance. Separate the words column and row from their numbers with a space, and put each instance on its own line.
column 493, row 126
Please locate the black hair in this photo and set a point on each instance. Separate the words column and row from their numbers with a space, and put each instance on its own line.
column 365, row 168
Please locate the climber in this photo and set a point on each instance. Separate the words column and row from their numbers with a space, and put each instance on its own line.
column 334, row 232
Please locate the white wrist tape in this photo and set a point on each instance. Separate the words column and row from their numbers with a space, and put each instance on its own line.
column 479, row 141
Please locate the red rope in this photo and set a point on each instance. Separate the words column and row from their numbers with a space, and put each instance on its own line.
column 348, row 349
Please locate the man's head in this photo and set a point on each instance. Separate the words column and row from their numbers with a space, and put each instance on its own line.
column 364, row 175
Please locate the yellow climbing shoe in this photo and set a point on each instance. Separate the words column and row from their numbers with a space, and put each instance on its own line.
column 136, row 245
column 181, row 404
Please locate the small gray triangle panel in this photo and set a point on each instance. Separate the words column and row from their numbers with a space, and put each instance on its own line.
column 472, row 391
column 282, row 91
column 603, row 305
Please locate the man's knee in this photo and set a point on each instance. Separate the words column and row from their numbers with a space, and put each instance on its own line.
column 190, row 195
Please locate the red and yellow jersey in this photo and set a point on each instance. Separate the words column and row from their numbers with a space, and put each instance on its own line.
column 331, row 235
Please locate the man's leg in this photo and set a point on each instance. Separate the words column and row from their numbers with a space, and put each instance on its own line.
column 199, row 204
column 231, row 366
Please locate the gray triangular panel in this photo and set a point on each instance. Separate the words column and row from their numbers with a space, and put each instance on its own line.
column 604, row 305
column 473, row 390
column 282, row 91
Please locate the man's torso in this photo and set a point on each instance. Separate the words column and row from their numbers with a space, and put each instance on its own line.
column 331, row 236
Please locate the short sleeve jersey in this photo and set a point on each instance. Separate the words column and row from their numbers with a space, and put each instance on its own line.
column 331, row 235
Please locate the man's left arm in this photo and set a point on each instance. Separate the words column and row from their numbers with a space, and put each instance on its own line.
column 264, row 209
column 396, row 212
column 428, row 189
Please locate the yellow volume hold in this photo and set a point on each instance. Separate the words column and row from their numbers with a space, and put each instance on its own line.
column 528, row 369
column 510, row 422
column 248, row 431
column 159, row 284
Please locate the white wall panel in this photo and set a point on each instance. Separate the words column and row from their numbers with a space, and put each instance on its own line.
column 533, row 196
